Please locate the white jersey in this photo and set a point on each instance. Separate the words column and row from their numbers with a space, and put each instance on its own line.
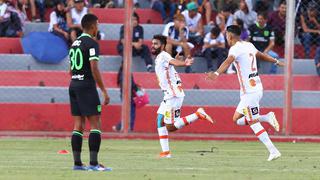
column 77, row 16
column 246, row 65
column 168, row 78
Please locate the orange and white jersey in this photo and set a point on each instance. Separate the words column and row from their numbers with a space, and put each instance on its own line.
column 246, row 65
column 169, row 80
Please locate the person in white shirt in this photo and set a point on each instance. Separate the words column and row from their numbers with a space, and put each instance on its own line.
column 243, row 55
column 74, row 17
column 194, row 23
column 214, row 48
column 245, row 13
column 58, row 21
column 170, row 83
column 3, row 10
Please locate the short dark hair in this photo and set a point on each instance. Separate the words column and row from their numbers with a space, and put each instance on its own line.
column 263, row 14
column 239, row 22
column 161, row 38
column 136, row 16
column 88, row 20
column 215, row 31
column 234, row 29
column 284, row 2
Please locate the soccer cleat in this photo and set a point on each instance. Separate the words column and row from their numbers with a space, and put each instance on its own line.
column 80, row 168
column 204, row 116
column 274, row 156
column 99, row 167
column 273, row 121
column 165, row 154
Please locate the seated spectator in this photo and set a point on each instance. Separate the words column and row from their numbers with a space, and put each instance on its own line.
column 317, row 60
column 310, row 28
column 244, row 32
column 177, row 34
column 224, row 18
column 74, row 17
column 162, row 6
column 214, row 48
column 194, row 23
column 245, row 13
column 138, row 48
column 262, row 37
column 277, row 20
column 58, row 21
column 10, row 23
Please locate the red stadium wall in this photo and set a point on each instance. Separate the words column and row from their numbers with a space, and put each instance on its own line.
column 56, row 117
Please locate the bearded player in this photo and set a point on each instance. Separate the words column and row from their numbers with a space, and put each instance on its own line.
column 170, row 83
column 243, row 55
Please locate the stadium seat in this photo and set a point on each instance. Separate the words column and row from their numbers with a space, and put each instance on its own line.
column 109, row 47
column 10, row 46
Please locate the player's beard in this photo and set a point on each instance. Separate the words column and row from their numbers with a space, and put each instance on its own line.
column 155, row 51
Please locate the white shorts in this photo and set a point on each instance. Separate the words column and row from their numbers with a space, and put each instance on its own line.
column 249, row 105
column 170, row 109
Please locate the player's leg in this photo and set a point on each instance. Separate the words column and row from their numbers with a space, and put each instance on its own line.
column 76, row 142
column 163, row 131
column 172, row 116
column 77, row 133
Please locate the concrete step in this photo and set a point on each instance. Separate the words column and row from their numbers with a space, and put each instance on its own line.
column 14, row 94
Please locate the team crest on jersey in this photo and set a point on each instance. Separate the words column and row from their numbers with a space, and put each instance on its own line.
column 266, row 33
column 254, row 111
column 252, row 83
column 92, row 52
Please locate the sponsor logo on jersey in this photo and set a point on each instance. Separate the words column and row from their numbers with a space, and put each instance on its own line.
column 254, row 111
column 78, row 76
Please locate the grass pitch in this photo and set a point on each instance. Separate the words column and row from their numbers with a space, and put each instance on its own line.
column 137, row 159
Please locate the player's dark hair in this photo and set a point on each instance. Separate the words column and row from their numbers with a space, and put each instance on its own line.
column 88, row 20
column 161, row 38
column 263, row 14
column 234, row 29
column 136, row 16
column 215, row 31
column 239, row 22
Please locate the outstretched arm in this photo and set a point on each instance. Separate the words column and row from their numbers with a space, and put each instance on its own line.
column 224, row 66
column 179, row 63
column 268, row 58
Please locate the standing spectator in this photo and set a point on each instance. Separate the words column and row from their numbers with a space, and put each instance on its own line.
column 277, row 20
column 205, row 8
column 138, row 48
column 162, row 6
column 194, row 23
column 262, row 37
column 317, row 60
column 58, row 21
column 310, row 28
column 134, row 89
column 74, row 17
column 214, row 48
column 245, row 13
column 244, row 32
column 224, row 18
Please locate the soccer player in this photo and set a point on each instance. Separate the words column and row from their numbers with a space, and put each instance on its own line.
column 84, row 99
column 169, row 111
column 243, row 55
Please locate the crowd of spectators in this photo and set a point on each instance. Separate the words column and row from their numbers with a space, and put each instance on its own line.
column 262, row 23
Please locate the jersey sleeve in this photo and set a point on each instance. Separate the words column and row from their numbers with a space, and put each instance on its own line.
column 166, row 58
column 254, row 49
column 94, row 52
column 233, row 52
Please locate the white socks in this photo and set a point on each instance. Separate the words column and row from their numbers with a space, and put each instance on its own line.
column 263, row 136
column 163, row 137
column 181, row 122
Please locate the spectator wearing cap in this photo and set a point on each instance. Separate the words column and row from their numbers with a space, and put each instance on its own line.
column 177, row 34
column 138, row 48
column 310, row 28
column 194, row 23
column 214, row 48
column 224, row 18
column 162, row 6
column 58, row 21
column 245, row 13
column 277, row 20
column 74, row 17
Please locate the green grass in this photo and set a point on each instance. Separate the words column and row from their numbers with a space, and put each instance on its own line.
column 137, row 159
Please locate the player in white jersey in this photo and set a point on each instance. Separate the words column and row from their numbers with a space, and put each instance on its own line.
column 243, row 55
column 170, row 83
